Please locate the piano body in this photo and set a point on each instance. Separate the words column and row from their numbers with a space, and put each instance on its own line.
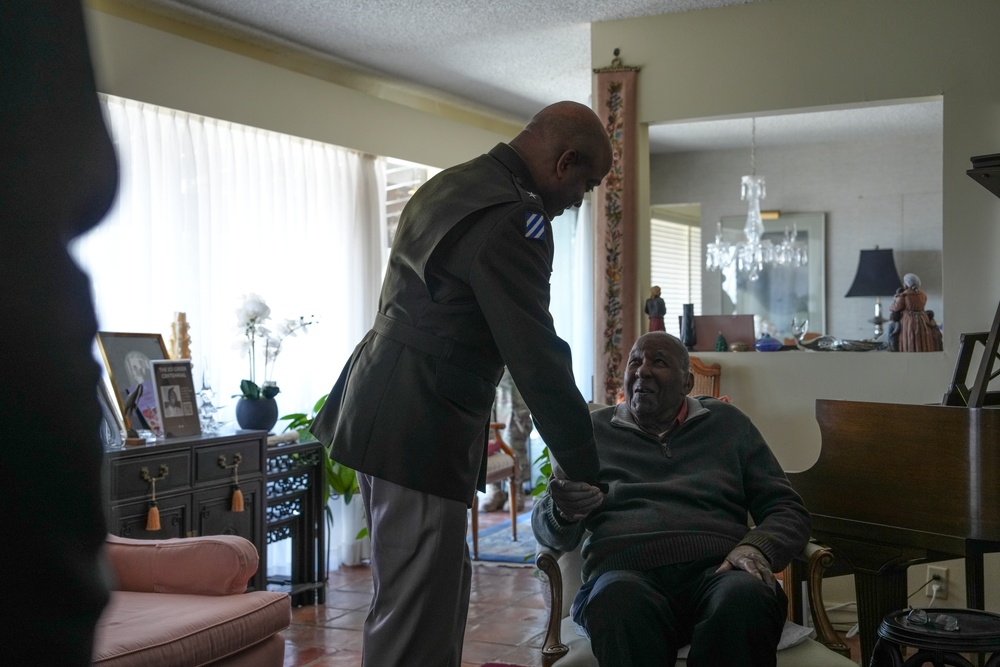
column 899, row 484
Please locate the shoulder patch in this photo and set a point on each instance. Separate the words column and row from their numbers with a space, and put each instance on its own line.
column 534, row 225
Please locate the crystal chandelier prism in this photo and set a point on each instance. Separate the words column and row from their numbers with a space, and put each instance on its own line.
column 755, row 252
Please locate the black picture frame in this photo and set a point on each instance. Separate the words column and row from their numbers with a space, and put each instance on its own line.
column 176, row 399
column 127, row 358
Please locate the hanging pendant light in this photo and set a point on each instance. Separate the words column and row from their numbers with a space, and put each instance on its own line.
column 754, row 252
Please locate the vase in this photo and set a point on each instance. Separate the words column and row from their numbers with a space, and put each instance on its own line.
column 767, row 343
column 687, row 326
column 258, row 414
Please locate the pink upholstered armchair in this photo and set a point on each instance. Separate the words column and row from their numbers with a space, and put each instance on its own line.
column 185, row 602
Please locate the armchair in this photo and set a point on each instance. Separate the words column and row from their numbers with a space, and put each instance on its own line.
column 184, row 602
column 563, row 644
column 706, row 377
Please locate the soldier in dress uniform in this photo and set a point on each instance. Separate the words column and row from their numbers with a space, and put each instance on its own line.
column 466, row 292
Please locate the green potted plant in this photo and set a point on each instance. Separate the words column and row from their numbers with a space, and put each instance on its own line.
column 544, row 472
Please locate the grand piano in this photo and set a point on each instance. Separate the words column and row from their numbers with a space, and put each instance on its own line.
column 897, row 484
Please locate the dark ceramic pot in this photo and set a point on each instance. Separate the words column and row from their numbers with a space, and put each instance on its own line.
column 260, row 414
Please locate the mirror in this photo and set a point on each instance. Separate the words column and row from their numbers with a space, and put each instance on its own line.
column 875, row 173
column 781, row 293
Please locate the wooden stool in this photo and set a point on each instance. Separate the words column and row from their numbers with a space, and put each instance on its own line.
column 978, row 632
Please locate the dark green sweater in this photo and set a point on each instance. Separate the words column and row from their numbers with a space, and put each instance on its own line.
column 683, row 498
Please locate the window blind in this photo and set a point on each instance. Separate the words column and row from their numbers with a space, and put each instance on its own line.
column 675, row 265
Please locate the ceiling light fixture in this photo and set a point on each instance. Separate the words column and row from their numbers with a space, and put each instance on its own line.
column 753, row 253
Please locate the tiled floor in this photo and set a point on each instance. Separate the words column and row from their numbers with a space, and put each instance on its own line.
column 506, row 617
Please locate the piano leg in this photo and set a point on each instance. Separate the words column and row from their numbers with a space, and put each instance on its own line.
column 975, row 573
column 878, row 592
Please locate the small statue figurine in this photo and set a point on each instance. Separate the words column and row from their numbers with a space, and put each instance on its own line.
column 655, row 309
column 892, row 329
column 180, row 341
column 915, row 332
column 721, row 345
column 128, row 410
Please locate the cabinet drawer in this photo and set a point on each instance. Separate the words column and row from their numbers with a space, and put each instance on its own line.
column 175, row 520
column 207, row 460
column 172, row 470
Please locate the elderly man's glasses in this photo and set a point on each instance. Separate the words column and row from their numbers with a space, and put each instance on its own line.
column 940, row 621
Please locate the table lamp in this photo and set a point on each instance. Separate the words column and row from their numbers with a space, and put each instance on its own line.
column 877, row 277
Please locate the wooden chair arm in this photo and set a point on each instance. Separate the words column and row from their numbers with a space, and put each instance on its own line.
column 553, row 649
column 816, row 559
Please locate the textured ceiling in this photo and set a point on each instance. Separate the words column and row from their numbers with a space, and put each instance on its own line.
column 509, row 56
column 512, row 57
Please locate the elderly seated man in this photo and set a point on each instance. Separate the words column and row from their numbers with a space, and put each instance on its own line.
column 671, row 559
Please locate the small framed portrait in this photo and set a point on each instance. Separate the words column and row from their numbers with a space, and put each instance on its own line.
column 127, row 358
column 176, row 401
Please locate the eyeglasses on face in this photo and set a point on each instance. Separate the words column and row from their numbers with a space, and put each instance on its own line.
column 941, row 621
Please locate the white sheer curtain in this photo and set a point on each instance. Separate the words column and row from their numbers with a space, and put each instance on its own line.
column 572, row 298
column 208, row 211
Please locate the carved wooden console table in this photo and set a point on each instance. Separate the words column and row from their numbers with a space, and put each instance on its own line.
column 296, row 481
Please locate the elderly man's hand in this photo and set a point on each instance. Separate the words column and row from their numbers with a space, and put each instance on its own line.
column 574, row 500
column 750, row 559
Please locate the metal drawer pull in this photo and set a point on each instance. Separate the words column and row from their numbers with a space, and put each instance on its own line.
column 237, row 503
column 153, row 515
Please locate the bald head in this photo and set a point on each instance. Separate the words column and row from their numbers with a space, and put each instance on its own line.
column 567, row 150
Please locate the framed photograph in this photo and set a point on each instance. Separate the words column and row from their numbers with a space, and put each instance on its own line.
column 176, row 401
column 127, row 358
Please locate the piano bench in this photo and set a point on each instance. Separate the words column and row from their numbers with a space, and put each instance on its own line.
column 977, row 632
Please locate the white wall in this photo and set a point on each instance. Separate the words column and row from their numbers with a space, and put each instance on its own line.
column 884, row 192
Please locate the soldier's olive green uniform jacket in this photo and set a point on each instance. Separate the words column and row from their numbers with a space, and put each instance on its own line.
column 466, row 291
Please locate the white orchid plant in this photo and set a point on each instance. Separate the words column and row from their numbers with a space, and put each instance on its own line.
column 256, row 337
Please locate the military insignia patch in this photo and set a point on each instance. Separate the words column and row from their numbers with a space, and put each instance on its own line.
column 534, row 225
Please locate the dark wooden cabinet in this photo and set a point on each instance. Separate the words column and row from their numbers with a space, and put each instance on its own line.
column 194, row 489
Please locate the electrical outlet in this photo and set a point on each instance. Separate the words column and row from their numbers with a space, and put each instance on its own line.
column 937, row 575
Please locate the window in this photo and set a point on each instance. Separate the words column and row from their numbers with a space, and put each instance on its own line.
column 401, row 180
column 675, row 261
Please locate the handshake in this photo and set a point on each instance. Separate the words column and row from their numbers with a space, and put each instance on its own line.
column 574, row 501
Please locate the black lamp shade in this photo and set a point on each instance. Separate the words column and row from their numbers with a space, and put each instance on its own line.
column 877, row 275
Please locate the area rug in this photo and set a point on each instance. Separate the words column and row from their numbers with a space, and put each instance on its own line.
column 496, row 546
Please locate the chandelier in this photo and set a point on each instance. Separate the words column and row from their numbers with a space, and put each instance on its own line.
column 754, row 252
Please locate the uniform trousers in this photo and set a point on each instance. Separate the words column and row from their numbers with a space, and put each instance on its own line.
column 642, row 618
column 422, row 575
